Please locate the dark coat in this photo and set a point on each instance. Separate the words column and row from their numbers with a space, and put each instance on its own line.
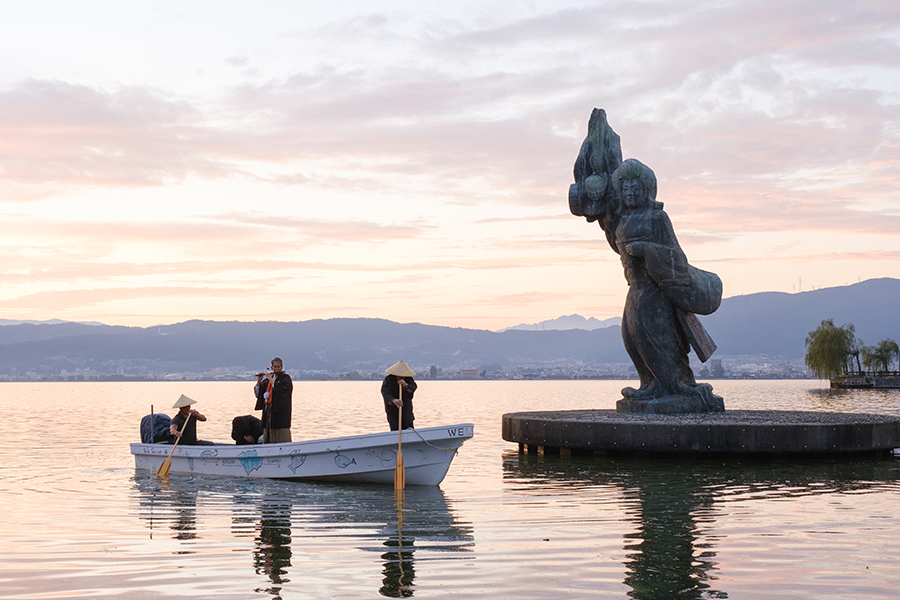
column 245, row 425
column 282, row 392
column 390, row 389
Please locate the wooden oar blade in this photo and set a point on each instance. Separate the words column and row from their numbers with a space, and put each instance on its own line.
column 163, row 470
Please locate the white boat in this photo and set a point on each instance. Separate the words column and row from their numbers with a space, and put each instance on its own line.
column 369, row 458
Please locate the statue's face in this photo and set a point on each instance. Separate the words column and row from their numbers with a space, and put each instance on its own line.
column 633, row 193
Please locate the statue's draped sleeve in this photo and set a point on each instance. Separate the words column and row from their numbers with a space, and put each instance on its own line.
column 689, row 288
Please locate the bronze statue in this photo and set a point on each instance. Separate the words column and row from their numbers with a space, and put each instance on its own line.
column 665, row 293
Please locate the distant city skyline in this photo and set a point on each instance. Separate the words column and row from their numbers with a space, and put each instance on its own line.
column 161, row 162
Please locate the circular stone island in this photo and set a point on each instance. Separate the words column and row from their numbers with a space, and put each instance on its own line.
column 730, row 432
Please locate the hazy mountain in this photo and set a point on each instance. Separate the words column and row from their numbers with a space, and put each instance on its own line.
column 317, row 345
column 770, row 323
column 777, row 323
column 50, row 322
column 566, row 323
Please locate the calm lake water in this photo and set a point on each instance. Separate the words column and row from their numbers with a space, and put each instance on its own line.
column 80, row 522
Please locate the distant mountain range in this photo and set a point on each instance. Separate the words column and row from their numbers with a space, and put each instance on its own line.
column 770, row 324
column 566, row 323
column 777, row 323
column 50, row 322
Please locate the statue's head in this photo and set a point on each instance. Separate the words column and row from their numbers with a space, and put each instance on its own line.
column 635, row 183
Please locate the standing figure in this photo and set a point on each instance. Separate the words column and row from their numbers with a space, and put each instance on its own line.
column 397, row 389
column 659, row 323
column 274, row 391
column 662, row 286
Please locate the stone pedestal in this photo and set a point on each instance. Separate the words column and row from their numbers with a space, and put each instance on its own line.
column 672, row 405
column 731, row 432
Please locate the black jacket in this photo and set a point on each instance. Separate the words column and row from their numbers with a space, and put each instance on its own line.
column 390, row 389
column 282, row 392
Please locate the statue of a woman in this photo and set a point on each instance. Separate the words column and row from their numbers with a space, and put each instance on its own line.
column 659, row 325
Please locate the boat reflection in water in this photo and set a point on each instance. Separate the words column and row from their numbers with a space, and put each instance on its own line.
column 303, row 533
column 673, row 504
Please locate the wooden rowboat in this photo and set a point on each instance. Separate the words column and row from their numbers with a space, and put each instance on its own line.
column 369, row 458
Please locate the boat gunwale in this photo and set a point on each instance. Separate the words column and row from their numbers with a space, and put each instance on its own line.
column 363, row 441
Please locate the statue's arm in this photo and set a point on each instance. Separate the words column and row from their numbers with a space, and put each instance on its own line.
column 666, row 262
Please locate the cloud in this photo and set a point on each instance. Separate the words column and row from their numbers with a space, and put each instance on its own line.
column 727, row 108
column 447, row 139
column 63, row 300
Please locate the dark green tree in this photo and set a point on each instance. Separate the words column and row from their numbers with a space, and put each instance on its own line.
column 830, row 349
column 880, row 357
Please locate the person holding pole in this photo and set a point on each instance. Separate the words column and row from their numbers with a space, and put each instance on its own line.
column 397, row 389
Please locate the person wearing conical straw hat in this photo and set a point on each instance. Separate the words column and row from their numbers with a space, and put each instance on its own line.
column 187, row 433
column 397, row 389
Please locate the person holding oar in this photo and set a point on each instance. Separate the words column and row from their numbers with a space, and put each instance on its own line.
column 182, row 427
column 397, row 389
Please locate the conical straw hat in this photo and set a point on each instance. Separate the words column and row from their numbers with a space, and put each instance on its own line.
column 183, row 401
column 400, row 369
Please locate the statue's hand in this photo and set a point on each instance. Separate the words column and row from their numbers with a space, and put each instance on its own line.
column 636, row 249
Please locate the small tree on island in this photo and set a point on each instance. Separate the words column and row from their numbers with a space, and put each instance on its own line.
column 829, row 349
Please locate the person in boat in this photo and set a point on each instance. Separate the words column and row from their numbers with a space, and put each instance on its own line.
column 246, row 429
column 186, row 429
column 274, row 391
column 397, row 389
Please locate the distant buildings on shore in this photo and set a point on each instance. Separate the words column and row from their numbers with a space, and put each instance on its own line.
column 735, row 367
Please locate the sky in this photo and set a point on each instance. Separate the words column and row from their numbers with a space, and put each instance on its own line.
column 164, row 161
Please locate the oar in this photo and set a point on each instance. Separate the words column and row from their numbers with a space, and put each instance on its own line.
column 399, row 471
column 163, row 470
column 399, row 498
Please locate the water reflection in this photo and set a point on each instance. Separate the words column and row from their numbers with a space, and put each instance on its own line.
column 272, row 554
column 163, row 506
column 672, row 504
column 284, row 522
column 881, row 401
column 399, row 569
column 185, row 522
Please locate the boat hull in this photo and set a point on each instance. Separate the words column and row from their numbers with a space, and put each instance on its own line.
column 370, row 458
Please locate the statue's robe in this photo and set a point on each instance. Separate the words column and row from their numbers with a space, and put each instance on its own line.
column 658, row 324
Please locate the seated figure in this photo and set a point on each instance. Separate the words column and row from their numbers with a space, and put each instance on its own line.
column 246, row 430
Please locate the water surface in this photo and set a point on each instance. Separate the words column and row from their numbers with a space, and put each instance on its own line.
column 80, row 522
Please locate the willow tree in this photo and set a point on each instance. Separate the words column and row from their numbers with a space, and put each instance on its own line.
column 830, row 349
column 880, row 357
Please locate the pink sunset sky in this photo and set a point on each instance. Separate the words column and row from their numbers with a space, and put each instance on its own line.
column 164, row 161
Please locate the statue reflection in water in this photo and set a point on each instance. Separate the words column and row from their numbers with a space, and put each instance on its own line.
column 667, row 503
column 673, row 502
column 665, row 558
